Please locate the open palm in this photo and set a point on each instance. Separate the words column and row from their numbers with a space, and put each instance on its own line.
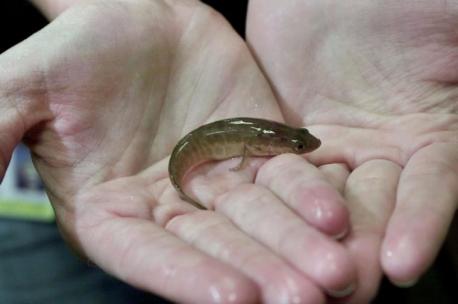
column 101, row 96
column 377, row 80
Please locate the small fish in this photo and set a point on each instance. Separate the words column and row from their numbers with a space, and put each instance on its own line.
column 234, row 137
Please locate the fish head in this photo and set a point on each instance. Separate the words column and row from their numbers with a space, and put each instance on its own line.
column 301, row 141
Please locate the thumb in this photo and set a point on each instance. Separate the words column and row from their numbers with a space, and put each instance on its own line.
column 23, row 104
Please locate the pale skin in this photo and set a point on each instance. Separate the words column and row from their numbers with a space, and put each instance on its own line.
column 101, row 96
column 101, row 109
column 377, row 80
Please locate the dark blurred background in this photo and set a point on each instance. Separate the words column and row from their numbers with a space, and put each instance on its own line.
column 29, row 250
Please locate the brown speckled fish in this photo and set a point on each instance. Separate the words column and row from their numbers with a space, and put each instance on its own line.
column 233, row 137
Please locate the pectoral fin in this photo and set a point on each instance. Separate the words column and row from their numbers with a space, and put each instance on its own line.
column 244, row 161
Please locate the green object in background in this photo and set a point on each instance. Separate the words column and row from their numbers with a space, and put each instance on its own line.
column 38, row 211
column 22, row 193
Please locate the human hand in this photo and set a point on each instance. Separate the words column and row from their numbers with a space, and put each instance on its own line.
column 377, row 80
column 101, row 96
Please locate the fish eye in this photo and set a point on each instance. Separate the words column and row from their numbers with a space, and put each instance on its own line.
column 299, row 147
column 304, row 131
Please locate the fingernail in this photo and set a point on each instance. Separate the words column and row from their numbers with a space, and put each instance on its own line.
column 405, row 284
column 342, row 293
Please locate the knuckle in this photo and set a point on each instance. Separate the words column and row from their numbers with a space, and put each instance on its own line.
column 270, row 170
column 334, row 269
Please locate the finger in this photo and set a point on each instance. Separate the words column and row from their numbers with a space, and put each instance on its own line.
column 20, row 110
column 208, row 181
column 426, row 203
column 260, row 213
column 370, row 193
column 305, row 189
column 336, row 174
column 218, row 237
column 10, row 136
column 215, row 235
column 148, row 257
